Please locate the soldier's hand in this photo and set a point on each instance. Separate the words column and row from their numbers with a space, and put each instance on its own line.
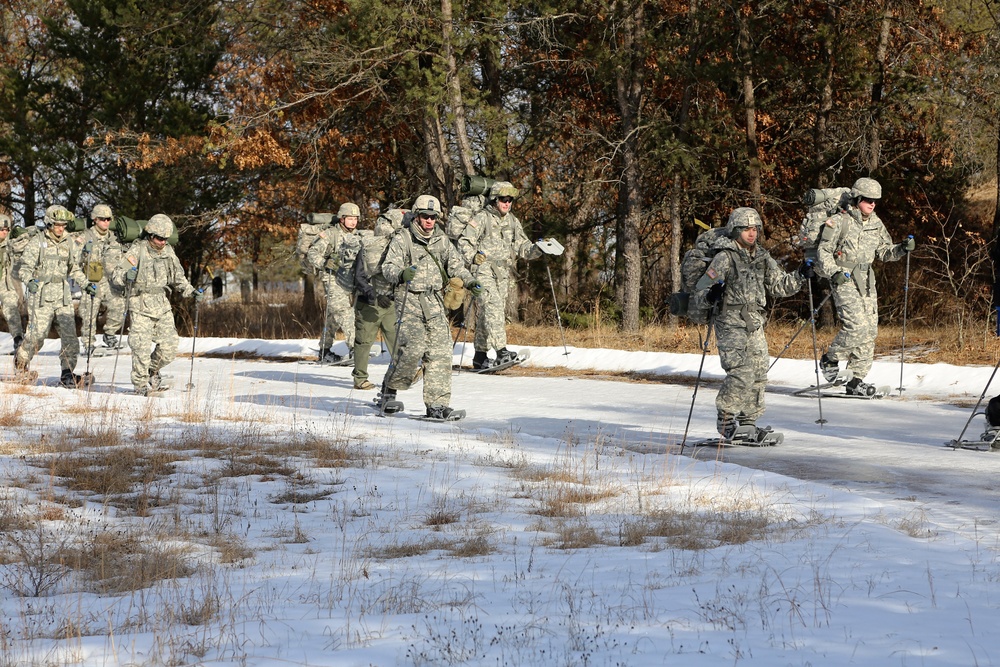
column 34, row 286
column 131, row 274
column 384, row 301
column 407, row 274
column 199, row 294
column 91, row 289
column 806, row 269
column 475, row 287
column 715, row 292
column 909, row 244
column 479, row 258
column 840, row 278
column 332, row 263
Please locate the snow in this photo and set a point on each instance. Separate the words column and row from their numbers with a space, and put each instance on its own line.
column 879, row 545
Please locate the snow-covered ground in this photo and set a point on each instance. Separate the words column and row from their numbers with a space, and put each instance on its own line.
column 557, row 525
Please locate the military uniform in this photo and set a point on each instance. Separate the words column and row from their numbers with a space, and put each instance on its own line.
column 490, row 244
column 332, row 255
column 424, row 332
column 9, row 299
column 145, row 274
column 47, row 265
column 748, row 276
column 100, row 252
column 373, row 304
column 850, row 245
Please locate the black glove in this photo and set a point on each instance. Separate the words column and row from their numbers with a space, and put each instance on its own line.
column 806, row 270
column 839, row 278
column 384, row 301
column 909, row 244
column 715, row 292
column 809, row 198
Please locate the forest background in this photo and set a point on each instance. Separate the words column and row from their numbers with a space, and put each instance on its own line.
column 624, row 124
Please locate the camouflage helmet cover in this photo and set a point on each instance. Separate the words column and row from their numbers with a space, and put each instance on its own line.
column 427, row 205
column 100, row 211
column 743, row 217
column 159, row 225
column 57, row 215
column 503, row 189
column 5, row 221
column 868, row 188
column 348, row 209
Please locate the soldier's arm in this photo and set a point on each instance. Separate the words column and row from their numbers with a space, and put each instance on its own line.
column 469, row 240
column 826, row 262
column 29, row 258
column 317, row 252
column 523, row 247
column 781, row 283
column 888, row 251
column 393, row 264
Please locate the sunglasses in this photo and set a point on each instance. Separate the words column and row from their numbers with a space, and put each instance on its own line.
column 424, row 216
column 868, row 201
column 505, row 200
column 158, row 238
column 103, row 219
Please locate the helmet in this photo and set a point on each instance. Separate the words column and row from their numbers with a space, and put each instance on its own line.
column 503, row 189
column 58, row 215
column 427, row 205
column 741, row 218
column 100, row 211
column 868, row 188
column 348, row 209
column 159, row 225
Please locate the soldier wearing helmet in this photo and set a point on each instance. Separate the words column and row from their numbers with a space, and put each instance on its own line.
column 332, row 255
column 49, row 262
column 9, row 299
column 737, row 283
column 421, row 260
column 855, row 238
column 146, row 273
column 100, row 251
column 492, row 241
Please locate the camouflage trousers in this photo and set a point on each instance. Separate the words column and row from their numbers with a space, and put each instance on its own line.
column 113, row 303
column 491, row 311
column 40, row 317
column 744, row 357
column 153, row 341
column 424, row 336
column 855, row 342
column 10, row 303
column 369, row 320
column 339, row 314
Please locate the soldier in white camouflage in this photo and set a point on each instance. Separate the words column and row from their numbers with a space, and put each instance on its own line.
column 490, row 244
column 740, row 277
column 422, row 260
column 852, row 241
column 332, row 255
column 147, row 271
column 373, row 303
column 10, row 301
column 49, row 262
column 100, row 251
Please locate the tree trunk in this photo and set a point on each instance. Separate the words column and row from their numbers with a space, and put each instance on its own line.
column 995, row 251
column 873, row 149
column 437, row 155
column 455, row 91
column 750, row 113
column 821, row 136
column 309, row 308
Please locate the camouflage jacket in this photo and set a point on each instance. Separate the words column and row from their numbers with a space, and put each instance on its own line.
column 857, row 246
column 333, row 254
column 750, row 276
column 499, row 238
column 158, row 272
column 436, row 260
column 99, row 253
column 51, row 261
column 6, row 265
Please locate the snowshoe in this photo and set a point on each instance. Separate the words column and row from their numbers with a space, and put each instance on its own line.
column 751, row 435
column 988, row 440
column 22, row 376
column 443, row 414
column 494, row 365
column 856, row 387
column 111, row 341
column 72, row 380
column 829, row 368
column 386, row 402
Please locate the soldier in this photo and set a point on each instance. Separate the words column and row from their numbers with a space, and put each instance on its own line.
column 373, row 311
column 332, row 255
column 854, row 239
column 737, row 283
column 100, row 251
column 9, row 299
column 490, row 243
column 147, row 270
column 421, row 260
column 49, row 262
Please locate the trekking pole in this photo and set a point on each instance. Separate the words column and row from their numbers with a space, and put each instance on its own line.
column 906, row 295
column 976, row 408
column 392, row 357
column 90, row 333
column 812, row 318
column 194, row 338
column 555, row 301
column 463, row 328
column 697, row 380
column 812, row 321
column 326, row 314
column 121, row 332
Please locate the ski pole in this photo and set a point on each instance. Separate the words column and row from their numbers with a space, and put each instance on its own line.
column 812, row 318
column 906, row 295
column 121, row 331
column 697, row 380
column 976, row 408
column 395, row 348
column 555, row 301
column 90, row 333
column 812, row 321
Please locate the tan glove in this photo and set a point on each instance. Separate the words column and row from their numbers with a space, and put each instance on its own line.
column 479, row 258
column 454, row 294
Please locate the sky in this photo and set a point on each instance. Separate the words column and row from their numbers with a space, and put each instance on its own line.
column 559, row 523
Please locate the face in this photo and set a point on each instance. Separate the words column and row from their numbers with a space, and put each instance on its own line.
column 866, row 206
column 748, row 236
column 4, row 231
column 58, row 229
column 504, row 204
column 349, row 221
column 427, row 222
column 102, row 223
column 157, row 241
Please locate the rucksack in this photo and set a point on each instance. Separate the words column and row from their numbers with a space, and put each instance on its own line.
column 19, row 238
column 826, row 203
column 693, row 267
column 308, row 233
column 460, row 214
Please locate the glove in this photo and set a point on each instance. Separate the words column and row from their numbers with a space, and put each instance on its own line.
column 406, row 275
column 840, row 278
column 384, row 301
column 809, row 198
column 131, row 275
column 806, row 270
column 332, row 263
column 909, row 244
column 34, row 286
column 199, row 294
column 715, row 292
column 474, row 287
column 91, row 289
column 479, row 258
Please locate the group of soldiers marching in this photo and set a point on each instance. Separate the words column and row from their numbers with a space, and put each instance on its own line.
column 113, row 277
column 402, row 278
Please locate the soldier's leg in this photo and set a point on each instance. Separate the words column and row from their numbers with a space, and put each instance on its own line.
column 735, row 394
column 863, row 351
column 387, row 325
column 365, row 332
column 89, row 305
column 489, row 308
column 114, row 304
column 39, row 321
column 166, row 341
column 342, row 314
column 411, row 344
column 755, row 363
column 850, row 309
column 11, row 312
column 496, row 321
column 140, row 340
column 437, row 362
column 330, row 322
column 69, row 350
